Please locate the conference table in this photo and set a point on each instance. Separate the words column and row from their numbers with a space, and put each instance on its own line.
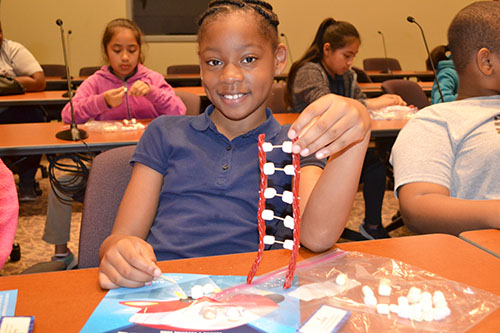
column 487, row 240
column 40, row 138
column 379, row 76
column 63, row 301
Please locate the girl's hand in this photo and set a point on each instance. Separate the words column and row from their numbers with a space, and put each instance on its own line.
column 384, row 101
column 139, row 88
column 126, row 261
column 329, row 125
column 114, row 97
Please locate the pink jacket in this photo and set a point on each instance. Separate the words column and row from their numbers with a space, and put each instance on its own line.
column 9, row 211
column 89, row 102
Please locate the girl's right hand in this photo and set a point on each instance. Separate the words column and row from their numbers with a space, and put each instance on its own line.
column 114, row 97
column 126, row 261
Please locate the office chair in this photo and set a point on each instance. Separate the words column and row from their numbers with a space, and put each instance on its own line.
column 363, row 77
column 409, row 91
column 381, row 64
column 183, row 69
column 106, row 185
column 191, row 101
column 54, row 70
column 87, row 71
column 276, row 99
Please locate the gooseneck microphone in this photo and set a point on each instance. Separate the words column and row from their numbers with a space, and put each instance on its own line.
column 388, row 70
column 288, row 46
column 412, row 20
column 73, row 133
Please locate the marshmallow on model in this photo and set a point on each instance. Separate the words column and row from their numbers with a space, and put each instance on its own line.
column 287, row 196
column 270, row 240
column 286, row 146
column 268, row 215
column 269, row 169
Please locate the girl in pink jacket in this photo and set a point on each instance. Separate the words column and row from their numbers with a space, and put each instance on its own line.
column 125, row 88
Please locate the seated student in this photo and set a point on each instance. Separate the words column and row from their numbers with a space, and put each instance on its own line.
column 446, row 75
column 325, row 68
column 103, row 96
column 17, row 62
column 9, row 211
column 195, row 180
column 446, row 159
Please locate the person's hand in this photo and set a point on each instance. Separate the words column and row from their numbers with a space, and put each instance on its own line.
column 139, row 88
column 384, row 101
column 114, row 97
column 127, row 261
column 328, row 125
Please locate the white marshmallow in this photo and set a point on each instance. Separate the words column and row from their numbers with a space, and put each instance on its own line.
column 384, row 287
column 287, row 197
column 196, row 291
column 233, row 313
column 269, row 240
column 402, row 301
column 208, row 288
column 341, row 279
column 416, row 312
column 288, row 244
column 394, row 308
column 267, row 147
column 370, row 300
column 289, row 170
column 269, row 168
column 403, row 311
column 438, row 297
column 268, row 214
column 269, row 193
column 134, row 121
column 367, row 291
column 441, row 313
column 383, row 308
column 414, row 295
column 287, row 146
column 289, row 222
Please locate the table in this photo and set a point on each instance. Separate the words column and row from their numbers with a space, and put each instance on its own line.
column 60, row 83
column 63, row 301
column 40, row 138
column 487, row 240
column 378, row 76
column 374, row 89
column 54, row 97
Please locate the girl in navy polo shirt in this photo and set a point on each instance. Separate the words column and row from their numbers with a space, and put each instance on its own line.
column 195, row 180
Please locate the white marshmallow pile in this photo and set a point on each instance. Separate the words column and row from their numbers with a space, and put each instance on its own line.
column 416, row 305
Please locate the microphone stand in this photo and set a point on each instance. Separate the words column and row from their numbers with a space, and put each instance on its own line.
column 385, row 53
column 73, row 133
column 412, row 20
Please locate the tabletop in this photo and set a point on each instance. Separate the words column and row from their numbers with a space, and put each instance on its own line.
column 487, row 240
column 63, row 301
column 378, row 76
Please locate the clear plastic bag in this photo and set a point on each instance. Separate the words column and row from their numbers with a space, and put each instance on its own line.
column 114, row 125
column 396, row 112
column 315, row 285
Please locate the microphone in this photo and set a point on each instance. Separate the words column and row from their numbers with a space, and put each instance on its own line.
column 73, row 133
column 388, row 70
column 288, row 46
column 412, row 20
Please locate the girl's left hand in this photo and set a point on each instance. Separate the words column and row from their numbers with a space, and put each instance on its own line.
column 139, row 88
column 329, row 125
column 384, row 101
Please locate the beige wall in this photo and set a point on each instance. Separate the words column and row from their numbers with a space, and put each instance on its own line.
column 32, row 22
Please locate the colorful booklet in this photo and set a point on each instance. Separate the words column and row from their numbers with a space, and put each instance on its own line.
column 189, row 302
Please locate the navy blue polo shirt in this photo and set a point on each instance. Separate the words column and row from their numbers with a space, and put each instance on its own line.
column 209, row 199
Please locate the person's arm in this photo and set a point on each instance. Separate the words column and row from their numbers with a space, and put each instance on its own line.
column 337, row 127
column 35, row 82
column 428, row 208
column 384, row 101
column 127, row 260
column 163, row 96
column 89, row 102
